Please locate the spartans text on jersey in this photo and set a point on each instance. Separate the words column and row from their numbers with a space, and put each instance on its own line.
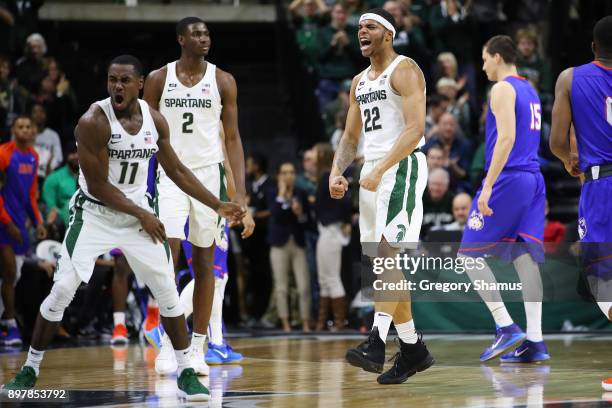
column 187, row 103
column 131, row 154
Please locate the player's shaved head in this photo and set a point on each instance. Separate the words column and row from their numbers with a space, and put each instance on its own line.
column 181, row 26
column 602, row 36
column 127, row 59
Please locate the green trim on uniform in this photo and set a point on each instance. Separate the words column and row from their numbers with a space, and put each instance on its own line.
column 396, row 199
column 414, row 175
column 222, row 189
column 76, row 224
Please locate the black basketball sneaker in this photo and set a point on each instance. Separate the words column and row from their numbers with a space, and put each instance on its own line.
column 411, row 358
column 369, row 355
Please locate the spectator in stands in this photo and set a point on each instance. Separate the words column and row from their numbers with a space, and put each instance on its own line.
column 435, row 158
column 256, row 249
column 554, row 233
column 31, row 68
column 47, row 143
column 12, row 99
column 57, row 191
column 453, row 30
column 437, row 105
column 437, row 201
column 22, row 19
column 62, row 84
column 354, row 10
column 60, row 108
column 339, row 129
column 409, row 39
column 307, row 18
column 289, row 207
column 340, row 104
column 532, row 66
column 457, row 106
column 339, row 50
column 334, row 223
column 461, row 209
column 457, row 151
column 7, row 22
column 477, row 166
column 18, row 166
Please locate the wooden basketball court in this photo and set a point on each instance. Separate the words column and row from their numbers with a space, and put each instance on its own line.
column 309, row 371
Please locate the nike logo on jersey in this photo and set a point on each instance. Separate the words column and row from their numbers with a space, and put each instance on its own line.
column 115, row 141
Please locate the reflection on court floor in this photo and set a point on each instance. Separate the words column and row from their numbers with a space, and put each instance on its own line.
column 309, row 371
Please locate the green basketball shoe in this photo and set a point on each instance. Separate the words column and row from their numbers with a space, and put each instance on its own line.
column 24, row 379
column 190, row 388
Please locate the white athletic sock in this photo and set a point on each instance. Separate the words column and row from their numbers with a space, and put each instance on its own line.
column 382, row 321
column 35, row 357
column 182, row 359
column 529, row 274
column 9, row 322
column 197, row 341
column 119, row 318
column 500, row 313
column 406, row 332
column 215, row 325
column 186, row 298
column 492, row 298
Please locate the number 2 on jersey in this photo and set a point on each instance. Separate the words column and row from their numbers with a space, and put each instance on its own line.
column 371, row 117
column 536, row 116
column 124, row 169
column 188, row 117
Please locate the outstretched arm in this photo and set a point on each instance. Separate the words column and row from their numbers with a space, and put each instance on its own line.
column 184, row 178
column 503, row 98
column 407, row 79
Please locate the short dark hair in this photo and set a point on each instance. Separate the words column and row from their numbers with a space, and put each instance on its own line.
column 384, row 14
column 21, row 117
column 504, row 46
column 127, row 59
column 602, row 34
column 182, row 25
column 437, row 99
column 260, row 160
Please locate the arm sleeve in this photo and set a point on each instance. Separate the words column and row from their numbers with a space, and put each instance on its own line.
column 5, row 159
column 33, row 211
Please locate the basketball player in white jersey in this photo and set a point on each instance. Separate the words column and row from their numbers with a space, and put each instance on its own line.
column 116, row 138
column 197, row 98
column 387, row 104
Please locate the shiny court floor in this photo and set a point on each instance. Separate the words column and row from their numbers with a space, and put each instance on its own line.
column 310, row 371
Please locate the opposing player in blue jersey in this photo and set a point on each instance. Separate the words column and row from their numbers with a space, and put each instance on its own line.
column 507, row 215
column 583, row 95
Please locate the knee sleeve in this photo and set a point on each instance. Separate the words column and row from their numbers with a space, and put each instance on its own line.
column 62, row 293
column 19, row 260
column 168, row 301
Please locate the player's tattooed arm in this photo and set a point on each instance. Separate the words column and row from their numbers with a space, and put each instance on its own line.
column 154, row 87
column 92, row 134
column 184, row 178
column 560, row 143
column 347, row 148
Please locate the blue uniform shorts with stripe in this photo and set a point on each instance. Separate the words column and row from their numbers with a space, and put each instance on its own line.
column 518, row 201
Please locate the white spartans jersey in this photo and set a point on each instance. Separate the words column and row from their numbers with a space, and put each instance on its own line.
column 194, row 116
column 381, row 112
column 128, row 155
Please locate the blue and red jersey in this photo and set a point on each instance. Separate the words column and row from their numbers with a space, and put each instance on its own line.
column 524, row 154
column 591, row 99
column 18, row 193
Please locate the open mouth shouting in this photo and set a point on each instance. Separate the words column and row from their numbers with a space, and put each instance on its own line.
column 364, row 43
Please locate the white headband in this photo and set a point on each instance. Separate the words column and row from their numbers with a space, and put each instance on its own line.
column 378, row 19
